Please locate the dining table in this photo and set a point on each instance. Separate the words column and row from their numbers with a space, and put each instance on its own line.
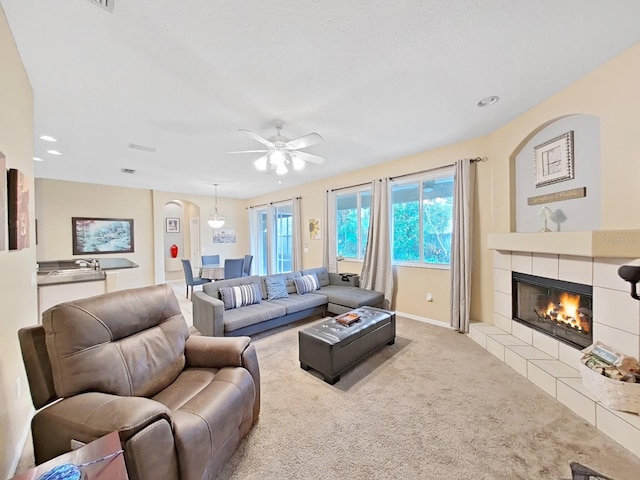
column 212, row 271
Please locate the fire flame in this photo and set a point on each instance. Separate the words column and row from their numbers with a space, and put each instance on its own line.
column 567, row 311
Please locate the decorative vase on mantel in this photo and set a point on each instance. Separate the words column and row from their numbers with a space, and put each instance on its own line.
column 174, row 251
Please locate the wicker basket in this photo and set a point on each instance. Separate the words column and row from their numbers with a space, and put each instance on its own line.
column 614, row 394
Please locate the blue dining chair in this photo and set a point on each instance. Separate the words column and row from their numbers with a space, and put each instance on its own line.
column 190, row 279
column 233, row 268
column 246, row 266
column 210, row 260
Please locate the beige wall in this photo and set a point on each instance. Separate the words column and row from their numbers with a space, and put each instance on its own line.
column 202, row 207
column 57, row 201
column 609, row 92
column 18, row 296
column 412, row 283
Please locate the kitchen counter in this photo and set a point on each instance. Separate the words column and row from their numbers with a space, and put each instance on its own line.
column 65, row 280
column 56, row 272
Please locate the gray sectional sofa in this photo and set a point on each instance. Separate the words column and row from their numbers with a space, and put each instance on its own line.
column 338, row 293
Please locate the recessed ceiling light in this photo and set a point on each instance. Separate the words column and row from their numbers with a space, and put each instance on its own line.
column 48, row 138
column 54, row 152
column 486, row 101
column 37, row 159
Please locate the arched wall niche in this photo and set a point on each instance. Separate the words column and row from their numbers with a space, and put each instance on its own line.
column 183, row 211
column 577, row 214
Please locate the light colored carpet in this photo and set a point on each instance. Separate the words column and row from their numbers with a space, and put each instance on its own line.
column 433, row 406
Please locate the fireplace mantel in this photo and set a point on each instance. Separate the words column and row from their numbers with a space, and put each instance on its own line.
column 597, row 243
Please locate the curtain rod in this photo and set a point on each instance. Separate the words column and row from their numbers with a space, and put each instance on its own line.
column 271, row 203
column 349, row 186
column 473, row 160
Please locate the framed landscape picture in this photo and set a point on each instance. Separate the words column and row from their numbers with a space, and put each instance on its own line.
column 554, row 160
column 101, row 235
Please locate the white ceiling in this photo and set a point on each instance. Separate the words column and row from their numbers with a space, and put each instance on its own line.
column 377, row 79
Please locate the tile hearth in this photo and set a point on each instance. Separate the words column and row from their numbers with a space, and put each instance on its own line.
column 553, row 365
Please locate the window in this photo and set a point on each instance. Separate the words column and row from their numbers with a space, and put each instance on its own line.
column 271, row 237
column 282, row 222
column 422, row 219
column 352, row 223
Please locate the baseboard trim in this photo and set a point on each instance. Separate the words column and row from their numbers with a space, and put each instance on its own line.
column 23, row 439
column 424, row 320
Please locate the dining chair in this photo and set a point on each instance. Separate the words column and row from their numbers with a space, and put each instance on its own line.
column 189, row 278
column 233, row 268
column 210, row 260
column 246, row 266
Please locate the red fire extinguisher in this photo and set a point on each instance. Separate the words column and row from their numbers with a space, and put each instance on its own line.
column 174, row 251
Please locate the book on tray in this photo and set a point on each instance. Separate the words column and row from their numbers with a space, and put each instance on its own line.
column 347, row 318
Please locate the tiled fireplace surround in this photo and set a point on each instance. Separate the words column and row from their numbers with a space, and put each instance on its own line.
column 553, row 365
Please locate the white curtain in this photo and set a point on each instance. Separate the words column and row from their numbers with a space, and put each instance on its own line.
column 329, row 235
column 296, row 234
column 461, row 247
column 377, row 273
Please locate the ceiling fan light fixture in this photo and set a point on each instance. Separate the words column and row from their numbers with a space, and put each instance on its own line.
column 297, row 163
column 281, row 169
column 276, row 157
column 216, row 220
column 261, row 163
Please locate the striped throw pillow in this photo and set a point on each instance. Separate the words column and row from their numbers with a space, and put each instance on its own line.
column 306, row 284
column 241, row 295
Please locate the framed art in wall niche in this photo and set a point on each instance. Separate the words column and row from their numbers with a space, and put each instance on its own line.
column 18, row 209
column 101, row 235
column 553, row 160
column 172, row 225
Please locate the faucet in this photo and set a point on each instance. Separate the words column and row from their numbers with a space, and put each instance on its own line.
column 95, row 265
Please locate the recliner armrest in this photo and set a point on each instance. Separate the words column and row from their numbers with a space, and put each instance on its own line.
column 219, row 352
column 215, row 352
column 344, row 279
column 88, row 416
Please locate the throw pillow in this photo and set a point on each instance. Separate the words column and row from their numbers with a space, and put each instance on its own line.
column 306, row 284
column 240, row 296
column 276, row 288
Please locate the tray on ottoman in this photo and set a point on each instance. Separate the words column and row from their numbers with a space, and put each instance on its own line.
column 330, row 347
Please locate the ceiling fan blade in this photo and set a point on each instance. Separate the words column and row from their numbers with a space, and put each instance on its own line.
column 309, row 157
column 304, row 141
column 250, row 151
column 258, row 138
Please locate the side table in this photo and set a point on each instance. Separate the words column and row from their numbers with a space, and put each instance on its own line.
column 112, row 468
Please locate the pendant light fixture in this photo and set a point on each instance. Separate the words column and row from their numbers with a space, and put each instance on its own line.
column 215, row 220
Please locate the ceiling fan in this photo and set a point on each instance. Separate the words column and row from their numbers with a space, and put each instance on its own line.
column 281, row 151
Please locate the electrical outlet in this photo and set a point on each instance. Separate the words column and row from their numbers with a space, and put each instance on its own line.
column 429, row 297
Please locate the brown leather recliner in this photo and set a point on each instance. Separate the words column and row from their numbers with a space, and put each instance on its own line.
column 125, row 361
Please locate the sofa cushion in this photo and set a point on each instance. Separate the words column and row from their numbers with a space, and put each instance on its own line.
column 276, row 287
column 296, row 303
column 352, row 297
column 306, row 284
column 321, row 273
column 240, row 295
column 252, row 314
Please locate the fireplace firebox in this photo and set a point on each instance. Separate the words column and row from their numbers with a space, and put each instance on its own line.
column 562, row 310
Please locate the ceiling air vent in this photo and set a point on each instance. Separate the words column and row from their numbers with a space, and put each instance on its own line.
column 106, row 4
column 129, row 171
column 144, row 148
